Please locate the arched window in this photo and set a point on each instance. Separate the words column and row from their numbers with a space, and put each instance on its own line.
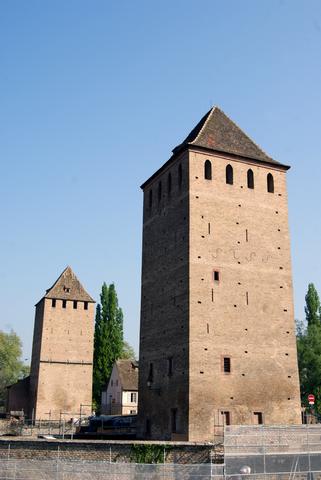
column 270, row 183
column 229, row 175
column 250, row 179
column 159, row 191
column 208, row 170
column 169, row 184
column 150, row 198
column 180, row 175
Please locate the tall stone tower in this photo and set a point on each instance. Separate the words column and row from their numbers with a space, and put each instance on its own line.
column 217, row 338
column 62, row 352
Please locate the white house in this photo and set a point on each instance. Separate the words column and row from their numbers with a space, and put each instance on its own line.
column 120, row 396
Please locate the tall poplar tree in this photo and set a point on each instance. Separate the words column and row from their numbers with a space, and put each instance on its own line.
column 309, row 350
column 312, row 308
column 108, row 340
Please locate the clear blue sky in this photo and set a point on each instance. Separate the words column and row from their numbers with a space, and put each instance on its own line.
column 93, row 97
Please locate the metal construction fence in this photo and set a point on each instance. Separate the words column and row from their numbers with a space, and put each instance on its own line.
column 16, row 469
column 272, row 452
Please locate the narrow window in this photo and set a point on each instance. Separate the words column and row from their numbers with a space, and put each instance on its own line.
column 208, row 170
column 246, row 235
column 250, row 179
column 212, row 295
column 258, row 418
column 174, row 420
column 170, row 366
column 148, row 427
column 75, row 304
column 64, row 303
column 229, row 175
column 247, row 298
column 159, row 191
column 53, row 303
column 270, row 183
column 133, row 397
column 180, row 176
column 226, row 364
column 169, row 184
column 85, row 305
column 208, row 328
column 216, row 276
column 226, row 417
column 150, row 203
column 151, row 373
column 209, row 228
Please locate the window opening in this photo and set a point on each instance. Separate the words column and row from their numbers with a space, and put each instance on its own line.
column 258, row 418
column 208, row 328
column 229, row 175
column 180, row 175
column 150, row 199
column 227, row 364
column 169, row 184
column 148, row 427
column 247, row 298
column 174, row 420
column 226, row 418
column 270, row 183
column 64, row 303
column 209, row 228
column 207, row 170
column 75, row 304
column 133, row 397
column 170, row 366
column 216, row 276
column 53, row 303
column 151, row 373
column 250, row 179
column 85, row 305
column 212, row 295
column 246, row 235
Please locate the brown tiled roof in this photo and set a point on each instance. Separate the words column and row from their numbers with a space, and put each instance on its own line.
column 216, row 131
column 128, row 374
column 68, row 287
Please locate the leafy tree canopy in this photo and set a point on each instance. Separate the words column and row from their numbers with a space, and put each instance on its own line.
column 12, row 368
column 109, row 343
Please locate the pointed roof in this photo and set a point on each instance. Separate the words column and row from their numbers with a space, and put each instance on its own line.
column 216, row 131
column 68, row 287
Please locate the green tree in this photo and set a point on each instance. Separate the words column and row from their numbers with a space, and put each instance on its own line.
column 312, row 308
column 108, row 340
column 309, row 349
column 12, row 368
column 128, row 352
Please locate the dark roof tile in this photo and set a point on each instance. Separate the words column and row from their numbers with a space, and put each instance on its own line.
column 68, row 287
column 216, row 131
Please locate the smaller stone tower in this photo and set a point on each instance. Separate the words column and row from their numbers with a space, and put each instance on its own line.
column 62, row 352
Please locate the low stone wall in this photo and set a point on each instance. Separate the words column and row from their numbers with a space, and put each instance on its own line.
column 110, row 451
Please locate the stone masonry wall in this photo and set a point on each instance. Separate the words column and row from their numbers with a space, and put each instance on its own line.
column 111, row 451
